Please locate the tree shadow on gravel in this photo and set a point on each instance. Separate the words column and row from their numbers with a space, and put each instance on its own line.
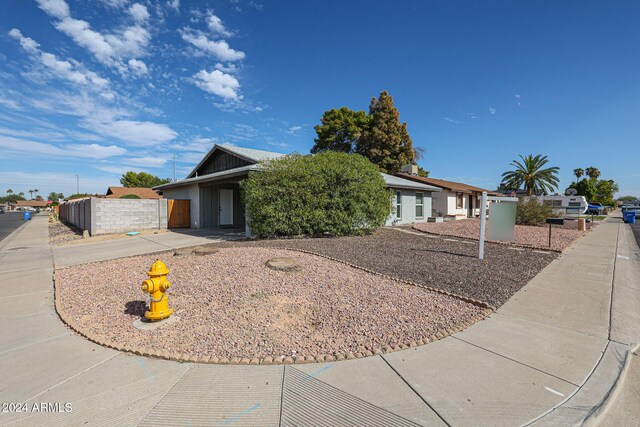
column 135, row 308
column 444, row 252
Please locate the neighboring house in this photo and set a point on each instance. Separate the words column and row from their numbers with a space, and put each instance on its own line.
column 213, row 189
column 456, row 200
column 25, row 204
column 141, row 193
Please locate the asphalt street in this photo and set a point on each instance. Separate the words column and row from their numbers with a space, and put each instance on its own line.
column 10, row 221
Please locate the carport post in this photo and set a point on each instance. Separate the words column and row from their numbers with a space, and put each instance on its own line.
column 483, row 219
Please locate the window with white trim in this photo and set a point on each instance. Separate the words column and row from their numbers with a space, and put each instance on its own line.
column 419, row 205
column 398, row 204
column 459, row 200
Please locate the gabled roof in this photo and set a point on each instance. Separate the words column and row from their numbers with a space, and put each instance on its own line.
column 398, row 182
column 459, row 187
column 143, row 193
column 230, row 173
column 248, row 154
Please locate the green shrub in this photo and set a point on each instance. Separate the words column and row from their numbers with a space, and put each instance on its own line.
column 327, row 193
column 130, row 196
column 531, row 212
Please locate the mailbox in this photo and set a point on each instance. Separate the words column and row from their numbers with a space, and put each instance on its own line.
column 555, row 221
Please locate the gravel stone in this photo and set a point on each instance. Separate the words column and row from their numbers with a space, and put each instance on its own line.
column 233, row 306
column 525, row 235
column 430, row 261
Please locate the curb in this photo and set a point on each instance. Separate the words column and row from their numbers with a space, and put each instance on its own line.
column 281, row 360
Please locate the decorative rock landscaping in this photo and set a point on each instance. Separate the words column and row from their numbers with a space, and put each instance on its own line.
column 526, row 235
column 233, row 308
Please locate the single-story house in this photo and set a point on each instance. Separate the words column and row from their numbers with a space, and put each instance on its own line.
column 132, row 192
column 213, row 189
column 25, row 204
column 456, row 200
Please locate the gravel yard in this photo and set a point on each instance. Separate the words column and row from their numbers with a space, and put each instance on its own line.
column 448, row 264
column 61, row 233
column 231, row 304
column 526, row 235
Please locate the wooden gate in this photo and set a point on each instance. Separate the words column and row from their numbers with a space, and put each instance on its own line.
column 179, row 214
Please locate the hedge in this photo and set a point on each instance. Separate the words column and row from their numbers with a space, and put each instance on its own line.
column 329, row 193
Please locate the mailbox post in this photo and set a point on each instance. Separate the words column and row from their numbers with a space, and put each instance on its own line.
column 554, row 221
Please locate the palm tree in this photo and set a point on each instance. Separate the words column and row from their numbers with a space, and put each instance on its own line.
column 36, row 191
column 21, row 194
column 9, row 191
column 592, row 172
column 578, row 173
column 31, row 192
column 530, row 174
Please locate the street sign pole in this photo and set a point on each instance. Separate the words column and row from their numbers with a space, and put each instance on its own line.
column 483, row 219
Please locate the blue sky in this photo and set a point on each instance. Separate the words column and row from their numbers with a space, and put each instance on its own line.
column 96, row 88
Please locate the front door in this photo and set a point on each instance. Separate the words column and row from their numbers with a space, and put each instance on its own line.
column 225, row 207
column 470, row 215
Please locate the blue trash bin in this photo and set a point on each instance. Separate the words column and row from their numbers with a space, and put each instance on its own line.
column 27, row 216
column 630, row 217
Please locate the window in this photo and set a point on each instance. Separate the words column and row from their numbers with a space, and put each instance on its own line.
column 398, row 204
column 419, row 205
column 459, row 200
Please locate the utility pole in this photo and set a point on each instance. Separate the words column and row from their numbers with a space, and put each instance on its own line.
column 77, row 184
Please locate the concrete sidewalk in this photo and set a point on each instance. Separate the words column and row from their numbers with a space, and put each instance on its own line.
column 550, row 355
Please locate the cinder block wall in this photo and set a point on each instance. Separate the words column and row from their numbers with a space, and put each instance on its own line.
column 122, row 215
column 105, row 216
column 77, row 212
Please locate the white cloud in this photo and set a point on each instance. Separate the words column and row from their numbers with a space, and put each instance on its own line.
column 72, row 72
column 198, row 145
column 218, row 48
column 56, row 8
column 88, row 151
column 115, row 3
column 139, row 12
column 293, row 130
column 132, row 131
column 492, row 110
column 149, row 162
column 218, row 83
column 110, row 49
column 138, row 68
column 229, row 68
column 217, row 27
column 452, row 120
column 174, row 4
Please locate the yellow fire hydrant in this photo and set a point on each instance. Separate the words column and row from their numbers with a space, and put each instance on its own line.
column 156, row 285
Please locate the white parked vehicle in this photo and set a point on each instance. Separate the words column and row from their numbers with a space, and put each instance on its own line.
column 564, row 205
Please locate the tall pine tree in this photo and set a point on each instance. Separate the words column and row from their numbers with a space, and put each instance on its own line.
column 385, row 141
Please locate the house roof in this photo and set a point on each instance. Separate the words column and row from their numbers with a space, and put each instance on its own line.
column 458, row 187
column 209, row 177
column 399, row 182
column 143, row 193
column 248, row 154
column 31, row 203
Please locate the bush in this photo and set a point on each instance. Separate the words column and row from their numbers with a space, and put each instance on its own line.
column 531, row 212
column 130, row 196
column 327, row 193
